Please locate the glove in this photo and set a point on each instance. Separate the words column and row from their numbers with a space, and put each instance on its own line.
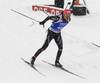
column 61, row 13
column 41, row 23
column 56, row 19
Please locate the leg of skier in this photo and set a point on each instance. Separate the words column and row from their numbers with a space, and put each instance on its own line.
column 58, row 40
column 45, row 45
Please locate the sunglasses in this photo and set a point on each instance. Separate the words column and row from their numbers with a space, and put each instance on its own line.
column 67, row 15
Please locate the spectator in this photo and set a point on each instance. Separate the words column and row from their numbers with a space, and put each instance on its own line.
column 59, row 3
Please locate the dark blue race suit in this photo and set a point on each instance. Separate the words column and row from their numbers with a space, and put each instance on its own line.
column 54, row 32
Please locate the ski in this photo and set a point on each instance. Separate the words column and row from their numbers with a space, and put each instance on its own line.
column 32, row 66
column 62, row 69
column 95, row 44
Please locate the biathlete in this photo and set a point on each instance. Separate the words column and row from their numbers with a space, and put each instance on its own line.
column 54, row 32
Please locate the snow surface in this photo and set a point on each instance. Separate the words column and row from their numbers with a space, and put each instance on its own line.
column 19, row 37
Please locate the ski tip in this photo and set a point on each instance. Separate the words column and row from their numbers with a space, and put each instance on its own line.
column 43, row 60
column 91, row 42
column 21, row 58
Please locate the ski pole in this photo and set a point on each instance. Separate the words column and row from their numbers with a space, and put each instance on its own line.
column 67, row 5
column 24, row 15
column 42, row 10
column 95, row 44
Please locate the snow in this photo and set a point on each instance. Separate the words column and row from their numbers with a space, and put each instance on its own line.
column 19, row 37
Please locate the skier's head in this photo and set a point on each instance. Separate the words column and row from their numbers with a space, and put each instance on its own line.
column 66, row 14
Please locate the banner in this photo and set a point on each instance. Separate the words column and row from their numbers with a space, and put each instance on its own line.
column 51, row 10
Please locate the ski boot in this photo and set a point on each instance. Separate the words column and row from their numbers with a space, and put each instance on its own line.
column 57, row 64
column 32, row 61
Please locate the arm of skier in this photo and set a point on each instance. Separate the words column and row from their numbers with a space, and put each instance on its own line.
column 55, row 18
